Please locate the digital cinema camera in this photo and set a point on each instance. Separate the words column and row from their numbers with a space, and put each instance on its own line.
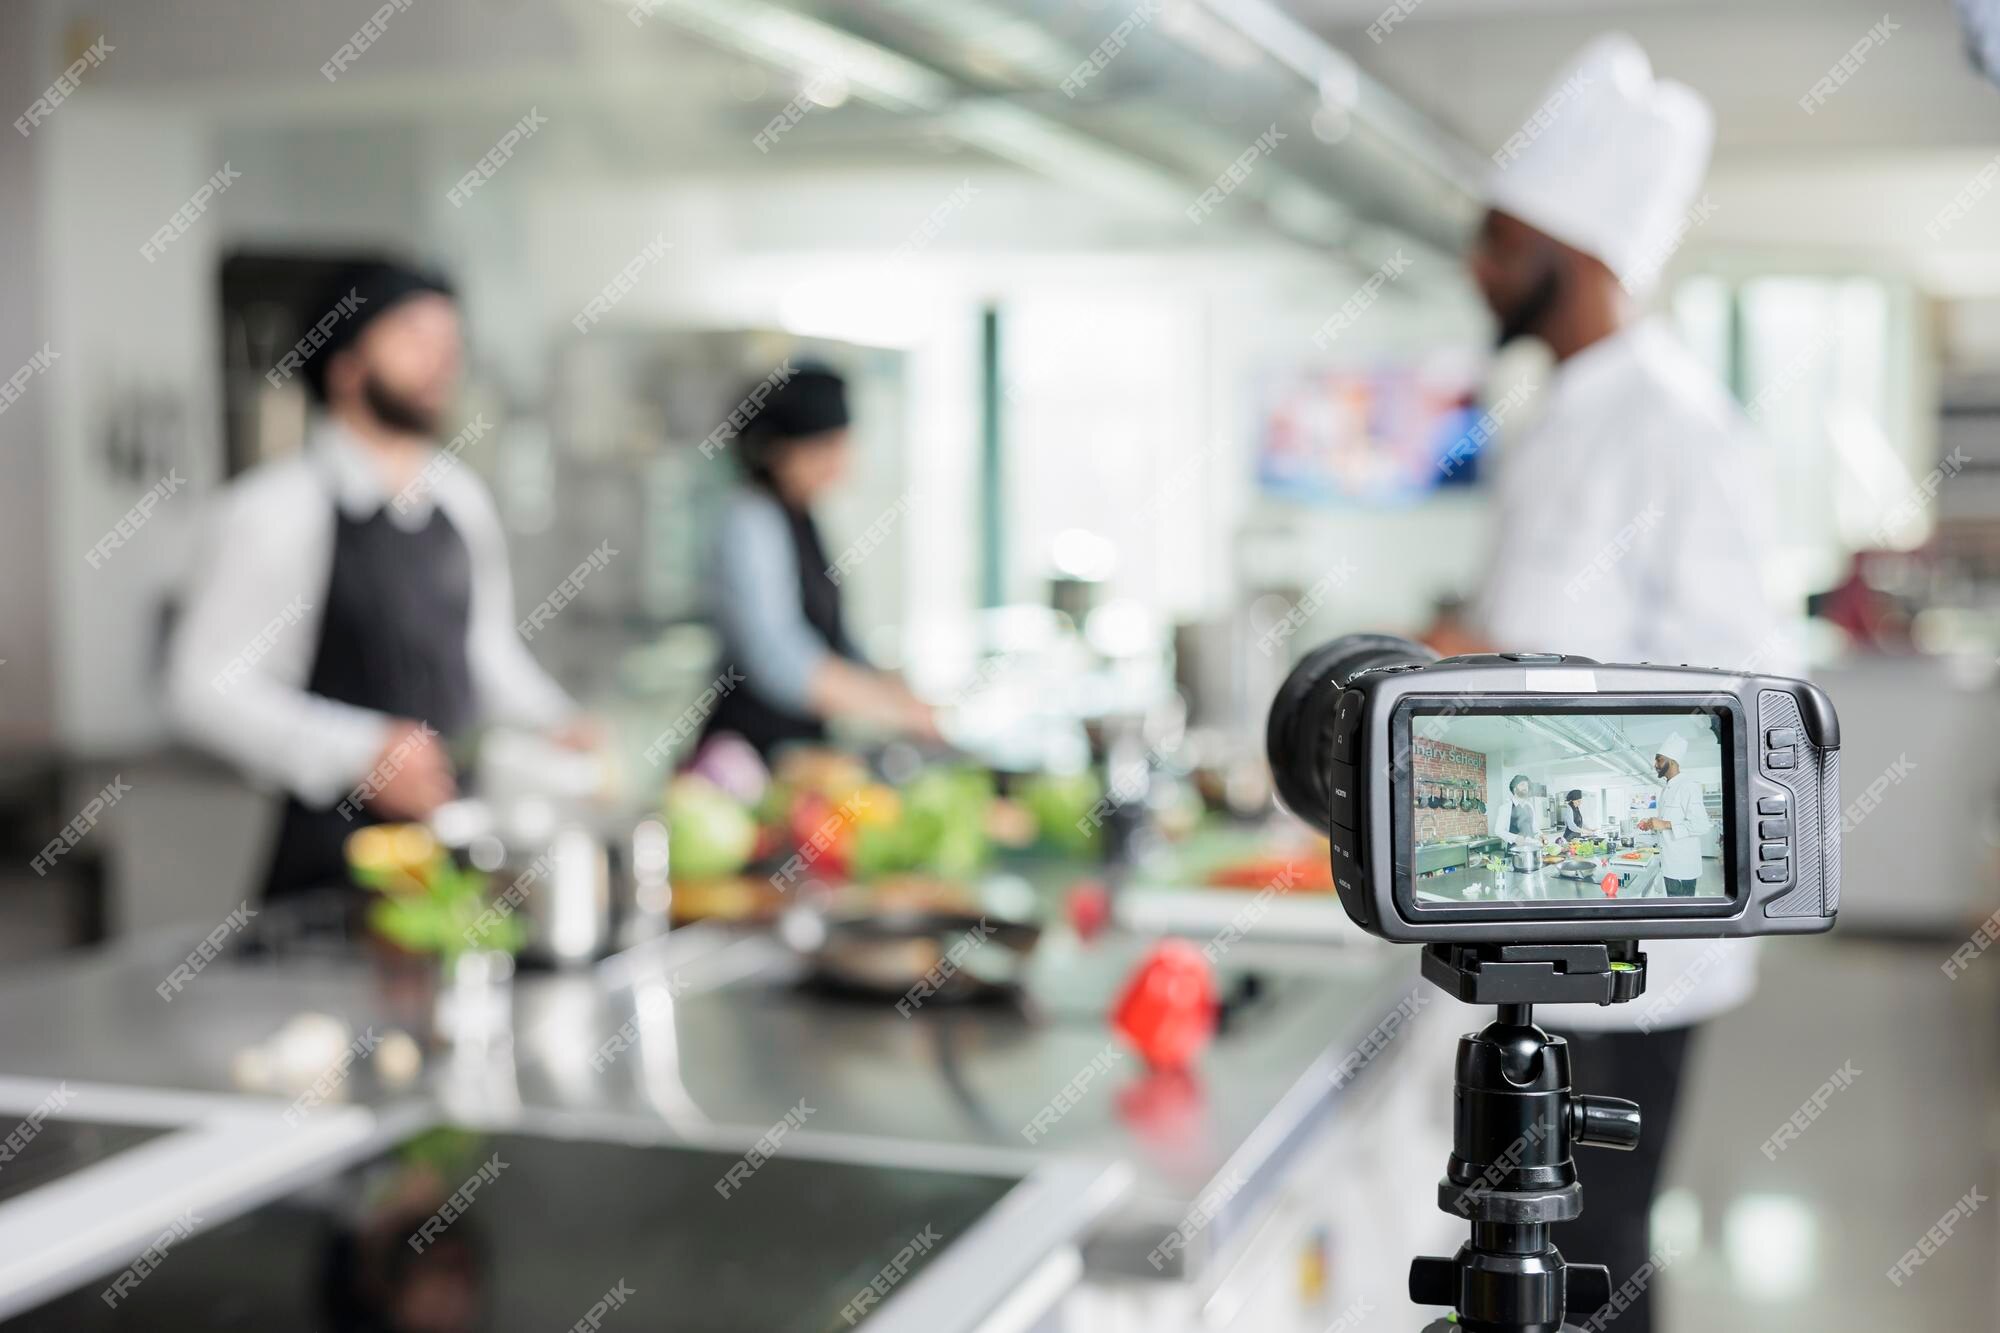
column 1423, row 774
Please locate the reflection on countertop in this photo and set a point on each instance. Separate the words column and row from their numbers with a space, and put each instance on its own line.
column 706, row 1038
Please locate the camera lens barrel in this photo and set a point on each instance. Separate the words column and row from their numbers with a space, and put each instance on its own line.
column 1298, row 739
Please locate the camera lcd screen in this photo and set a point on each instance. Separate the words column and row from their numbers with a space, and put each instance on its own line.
column 1570, row 807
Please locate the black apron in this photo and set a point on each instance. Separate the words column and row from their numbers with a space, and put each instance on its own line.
column 767, row 725
column 392, row 638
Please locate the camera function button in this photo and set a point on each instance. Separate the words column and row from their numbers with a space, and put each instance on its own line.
column 1776, row 874
column 1773, row 805
column 1781, row 759
column 1779, row 738
column 1774, row 828
column 1771, row 851
column 1537, row 658
column 1346, row 864
column 1347, row 726
column 1342, row 786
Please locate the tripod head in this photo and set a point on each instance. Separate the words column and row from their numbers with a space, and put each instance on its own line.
column 1515, row 1120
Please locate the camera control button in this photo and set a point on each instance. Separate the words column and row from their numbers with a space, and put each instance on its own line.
column 1342, row 785
column 1781, row 759
column 1346, row 864
column 1771, row 851
column 1347, row 726
column 1774, row 828
column 1773, row 805
column 1779, row 738
column 1776, row 874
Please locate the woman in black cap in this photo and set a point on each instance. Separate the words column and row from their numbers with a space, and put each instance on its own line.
column 1574, row 824
column 775, row 592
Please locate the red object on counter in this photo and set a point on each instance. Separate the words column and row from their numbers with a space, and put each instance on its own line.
column 1168, row 1009
column 824, row 834
column 1610, row 886
column 1308, row 873
column 1089, row 905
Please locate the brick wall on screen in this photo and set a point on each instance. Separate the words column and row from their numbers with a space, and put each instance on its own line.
column 1436, row 761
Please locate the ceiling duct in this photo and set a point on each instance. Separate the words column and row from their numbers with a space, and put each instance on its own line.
column 1150, row 97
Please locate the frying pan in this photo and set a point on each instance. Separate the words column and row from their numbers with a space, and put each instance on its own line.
column 888, row 952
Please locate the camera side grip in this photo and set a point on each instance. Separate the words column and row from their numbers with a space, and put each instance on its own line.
column 1786, row 759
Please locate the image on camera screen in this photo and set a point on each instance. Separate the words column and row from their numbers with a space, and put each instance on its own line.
column 1570, row 807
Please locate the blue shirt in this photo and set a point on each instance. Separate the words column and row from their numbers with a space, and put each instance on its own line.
column 754, row 603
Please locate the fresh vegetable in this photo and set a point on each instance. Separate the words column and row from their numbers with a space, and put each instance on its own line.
column 1065, row 809
column 708, row 832
column 1089, row 906
column 733, row 764
column 1169, row 1007
column 940, row 827
column 432, row 905
column 876, row 806
column 392, row 858
column 825, row 834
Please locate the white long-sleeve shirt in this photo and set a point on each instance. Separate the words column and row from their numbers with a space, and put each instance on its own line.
column 1631, row 522
column 243, row 652
column 1632, row 517
column 1681, row 805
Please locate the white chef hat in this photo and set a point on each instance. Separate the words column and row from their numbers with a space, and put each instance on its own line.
column 1674, row 747
column 1609, row 161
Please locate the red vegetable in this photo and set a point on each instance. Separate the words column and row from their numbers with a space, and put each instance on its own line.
column 1089, row 907
column 824, row 833
column 1168, row 1009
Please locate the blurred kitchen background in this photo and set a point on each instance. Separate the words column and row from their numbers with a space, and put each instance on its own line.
column 1073, row 378
column 1130, row 469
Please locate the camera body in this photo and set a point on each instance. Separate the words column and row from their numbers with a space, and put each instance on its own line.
column 1707, row 802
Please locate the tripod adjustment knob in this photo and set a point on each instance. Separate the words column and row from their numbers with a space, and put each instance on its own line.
column 1586, row 1290
column 1604, row 1122
column 1434, row 1281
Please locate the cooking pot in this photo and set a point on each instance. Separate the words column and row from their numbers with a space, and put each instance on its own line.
column 1524, row 857
column 573, row 879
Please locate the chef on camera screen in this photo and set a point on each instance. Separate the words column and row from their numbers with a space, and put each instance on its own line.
column 1568, row 805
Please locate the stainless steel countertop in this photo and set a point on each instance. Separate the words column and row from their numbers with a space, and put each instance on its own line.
column 720, row 1042
column 1503, row 884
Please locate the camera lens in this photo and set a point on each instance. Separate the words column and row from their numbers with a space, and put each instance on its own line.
column 1299, row 738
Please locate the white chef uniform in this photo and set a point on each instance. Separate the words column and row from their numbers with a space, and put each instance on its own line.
column 1680, row 804
column 1632, row 512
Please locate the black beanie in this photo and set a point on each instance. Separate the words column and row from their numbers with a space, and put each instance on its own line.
column 812, row 402
column 356, row 295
